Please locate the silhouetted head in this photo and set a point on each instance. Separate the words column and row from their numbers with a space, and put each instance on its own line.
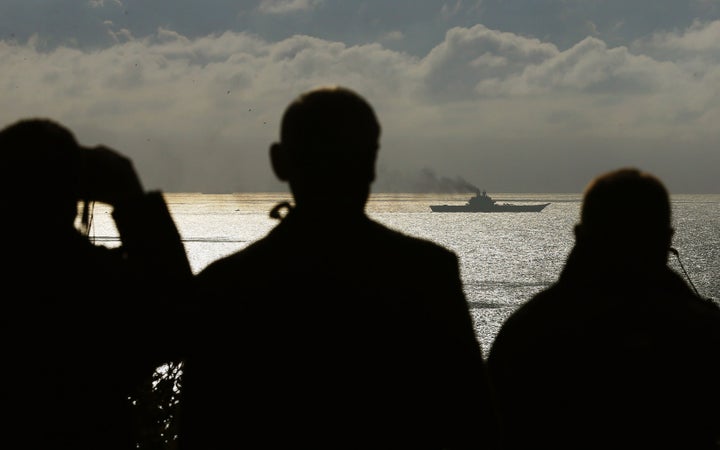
column 39, row 160
column 627, row 213
column 329, row 139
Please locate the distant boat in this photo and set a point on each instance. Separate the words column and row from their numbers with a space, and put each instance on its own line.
column 482, row 202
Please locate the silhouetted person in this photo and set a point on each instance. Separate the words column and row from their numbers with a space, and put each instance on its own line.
column 81, row 323
column 619, row 353
column 334, row 331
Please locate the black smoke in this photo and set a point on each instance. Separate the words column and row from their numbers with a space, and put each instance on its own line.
column 426, row 181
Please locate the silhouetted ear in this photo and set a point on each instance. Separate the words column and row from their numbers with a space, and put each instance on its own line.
column 372, row 171
column 579, row 232
column 279, row 161
column 670, row 234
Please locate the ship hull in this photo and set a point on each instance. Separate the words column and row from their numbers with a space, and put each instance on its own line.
column 494, row 208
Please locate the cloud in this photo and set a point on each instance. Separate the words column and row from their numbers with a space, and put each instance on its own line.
column 449, row 10
column 496, row 108
column 287, row 6
column 588, row 67
column 698, row 41
column 392, row 36
column 101, row 3
column 469, row 55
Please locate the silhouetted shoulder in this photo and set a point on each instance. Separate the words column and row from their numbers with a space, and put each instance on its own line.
column 365, row 247
column 403, row 242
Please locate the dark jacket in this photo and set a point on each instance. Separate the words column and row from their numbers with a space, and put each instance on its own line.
column 338, row 334
column 610, row 358
column 83, row 326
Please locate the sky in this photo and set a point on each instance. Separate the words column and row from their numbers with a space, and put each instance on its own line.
column 527, row 96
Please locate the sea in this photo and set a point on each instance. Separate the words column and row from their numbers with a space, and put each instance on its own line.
column 505, row 258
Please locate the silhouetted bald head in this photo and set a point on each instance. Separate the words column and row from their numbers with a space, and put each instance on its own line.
column 626, row 210
column 329, row 139
column 39, row 160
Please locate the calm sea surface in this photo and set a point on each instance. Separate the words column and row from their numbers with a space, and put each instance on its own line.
column 505, row 257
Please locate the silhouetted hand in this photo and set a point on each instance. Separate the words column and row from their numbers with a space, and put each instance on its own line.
column 108, row 177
